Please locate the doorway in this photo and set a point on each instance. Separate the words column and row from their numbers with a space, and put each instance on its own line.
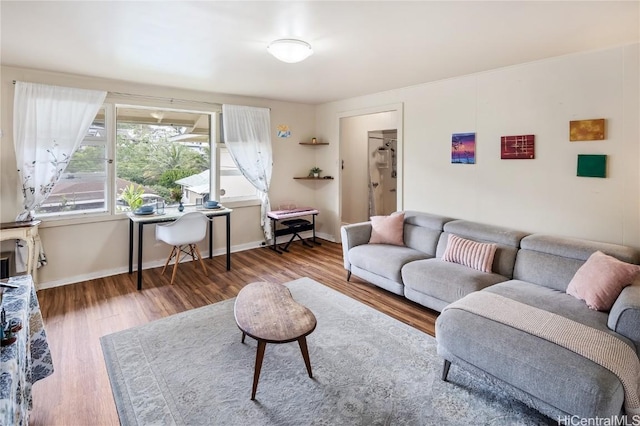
column 383, row 171
column 357, row 129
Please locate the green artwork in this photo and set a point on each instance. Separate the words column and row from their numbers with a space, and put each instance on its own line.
column 592, row 165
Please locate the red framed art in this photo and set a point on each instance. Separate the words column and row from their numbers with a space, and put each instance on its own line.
column 517, row 147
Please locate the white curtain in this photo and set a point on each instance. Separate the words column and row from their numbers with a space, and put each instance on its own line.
column 49, row 123
column 247, row 134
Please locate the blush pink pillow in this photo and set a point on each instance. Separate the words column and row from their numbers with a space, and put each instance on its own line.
column 387, row 229
column 469, row 253
column 600, row 280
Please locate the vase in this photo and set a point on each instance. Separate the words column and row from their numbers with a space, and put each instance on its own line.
column 180, row 207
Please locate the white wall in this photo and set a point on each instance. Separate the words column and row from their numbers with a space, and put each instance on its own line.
column 540, row 98
column 77, row 250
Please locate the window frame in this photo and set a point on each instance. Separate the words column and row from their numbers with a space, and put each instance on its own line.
column 90, row 141
column 110, row 211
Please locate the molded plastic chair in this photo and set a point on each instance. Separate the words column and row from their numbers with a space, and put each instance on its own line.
column 183, row 234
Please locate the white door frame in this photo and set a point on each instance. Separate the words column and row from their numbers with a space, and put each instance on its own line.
column 397, row 107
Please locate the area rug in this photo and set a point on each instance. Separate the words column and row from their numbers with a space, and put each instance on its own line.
column 368, row 369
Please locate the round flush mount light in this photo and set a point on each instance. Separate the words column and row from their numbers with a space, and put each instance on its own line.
column 290, row 50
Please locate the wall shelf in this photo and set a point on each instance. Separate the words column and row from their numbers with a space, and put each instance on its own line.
column 311, row 143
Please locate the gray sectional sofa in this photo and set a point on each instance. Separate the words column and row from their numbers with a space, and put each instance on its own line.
column 533, row 269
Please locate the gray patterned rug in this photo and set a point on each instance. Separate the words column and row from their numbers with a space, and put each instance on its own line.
column 368, row 369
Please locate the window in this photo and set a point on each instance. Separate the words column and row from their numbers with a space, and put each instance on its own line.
column 83, row 185
column 233, row 185
column 156, row 150
column 161, row 151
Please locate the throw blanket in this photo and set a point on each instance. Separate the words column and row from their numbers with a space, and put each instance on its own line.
column 595, row 345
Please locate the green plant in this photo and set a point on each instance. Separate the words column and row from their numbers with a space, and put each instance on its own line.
column 176, row 194
column 132, row 195
column 315, row 170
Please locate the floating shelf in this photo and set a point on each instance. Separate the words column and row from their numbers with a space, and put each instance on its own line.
column 312, row 178
column 311, row 143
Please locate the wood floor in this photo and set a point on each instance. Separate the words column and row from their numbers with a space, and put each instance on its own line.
column 76, row 316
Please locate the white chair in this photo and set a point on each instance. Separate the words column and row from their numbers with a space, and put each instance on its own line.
column 183, row 234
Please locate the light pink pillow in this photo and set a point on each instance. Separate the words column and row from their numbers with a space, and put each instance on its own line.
column 600, row 280
column 387, row 229
column 470, row 253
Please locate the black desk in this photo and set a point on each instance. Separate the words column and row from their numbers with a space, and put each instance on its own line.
column 169, row 216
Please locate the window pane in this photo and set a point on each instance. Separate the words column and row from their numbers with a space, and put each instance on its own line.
column 160, row 151
column 82, row 186
column 232, row 183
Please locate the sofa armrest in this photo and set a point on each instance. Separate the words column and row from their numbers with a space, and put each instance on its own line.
column 354, row 235
column 624, row 316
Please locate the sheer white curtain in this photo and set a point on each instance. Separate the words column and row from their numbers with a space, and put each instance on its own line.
column 49, row 123
column 247, row 134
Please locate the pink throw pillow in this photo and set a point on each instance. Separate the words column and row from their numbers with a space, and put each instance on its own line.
column 470, row 253
column 600, row 280
column 387, row 229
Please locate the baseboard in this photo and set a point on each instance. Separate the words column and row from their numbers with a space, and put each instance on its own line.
column 160, row 262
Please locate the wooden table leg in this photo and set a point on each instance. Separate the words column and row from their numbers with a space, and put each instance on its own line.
column 305, row 353
column 256, row 373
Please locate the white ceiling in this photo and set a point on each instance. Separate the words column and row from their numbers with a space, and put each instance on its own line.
column 360, row 47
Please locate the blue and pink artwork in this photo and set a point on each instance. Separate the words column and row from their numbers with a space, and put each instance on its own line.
column 463, row 148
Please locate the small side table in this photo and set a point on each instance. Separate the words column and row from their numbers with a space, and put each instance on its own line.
column 27, row 231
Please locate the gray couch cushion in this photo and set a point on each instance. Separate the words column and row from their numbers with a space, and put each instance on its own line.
column 384, row 259
column 557, row 302
column 422, row 230
column 445, row 281
column 422, row 239
column 552, row 261
column 545, row 269
column 485, row 233
column 390, row 285
column 624, row 316
column 426, row 220
column 576, row 248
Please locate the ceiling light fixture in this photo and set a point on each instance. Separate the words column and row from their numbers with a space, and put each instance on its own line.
column 290, row 50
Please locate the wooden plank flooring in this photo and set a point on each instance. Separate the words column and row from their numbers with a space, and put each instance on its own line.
column 76, row 316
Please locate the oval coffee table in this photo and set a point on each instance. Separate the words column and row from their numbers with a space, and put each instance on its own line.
column 268, row 313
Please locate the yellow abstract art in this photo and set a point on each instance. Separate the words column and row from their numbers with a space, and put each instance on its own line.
column 283, row 131
column 587, row 130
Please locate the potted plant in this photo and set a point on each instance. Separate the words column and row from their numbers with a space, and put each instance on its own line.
column 132, row 195
column 315, row 172
column 176, row 195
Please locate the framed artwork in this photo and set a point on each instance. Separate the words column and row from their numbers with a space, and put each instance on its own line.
column 592, row 165
column 463, row 148
column 517, row 147
column 587, row 130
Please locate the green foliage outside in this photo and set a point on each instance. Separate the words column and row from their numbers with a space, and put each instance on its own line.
column 168, row 178
column 146, row 155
